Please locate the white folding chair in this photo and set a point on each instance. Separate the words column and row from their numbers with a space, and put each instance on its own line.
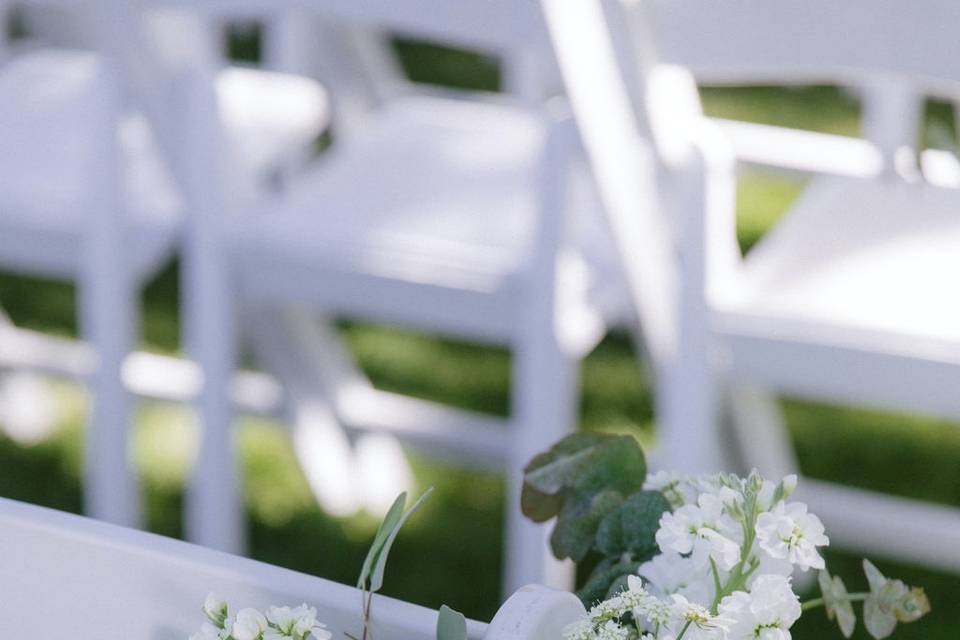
column 847, row 300
column 87, row 195
column 69, row 575
column 446, row 212
column 743, row 44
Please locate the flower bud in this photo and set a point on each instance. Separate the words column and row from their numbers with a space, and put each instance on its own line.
column 215, row 610
column 913, row 606
column 789, row 485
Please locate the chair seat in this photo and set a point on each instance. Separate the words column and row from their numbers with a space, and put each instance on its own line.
column 270, row 117
column 859, row 261
column 437, row 191
column 50, row 104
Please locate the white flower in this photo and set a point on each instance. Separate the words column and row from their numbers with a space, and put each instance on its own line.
column 699, row 622
column 674, row 487
column 766, row 613
column 250, row 624
column 724, row 551
column 767, row 564
column 581, row 629
column 788, row 531
column 669, row 573
column 700, row 530
column 610, row 630
column 215, row 609
column 210, row 632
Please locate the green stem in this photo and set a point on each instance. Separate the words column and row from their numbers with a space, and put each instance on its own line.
column 818, row 602
column 684, row 630
column 716, row 576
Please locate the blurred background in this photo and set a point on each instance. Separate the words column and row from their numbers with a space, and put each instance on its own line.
column 451, row 551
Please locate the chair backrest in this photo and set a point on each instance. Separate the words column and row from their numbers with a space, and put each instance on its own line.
column 895, row 52
column 512, row 30
column 609, row 102
column 810, row 41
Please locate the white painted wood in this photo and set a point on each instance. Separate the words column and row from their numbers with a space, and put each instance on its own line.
column 81, row 578
column 468, row 213
column 118, row 583
column 849, row 298
column 89, row 193
column 874, row 51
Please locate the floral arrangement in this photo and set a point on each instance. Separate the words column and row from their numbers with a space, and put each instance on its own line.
column 707, row 557
column 279, row 623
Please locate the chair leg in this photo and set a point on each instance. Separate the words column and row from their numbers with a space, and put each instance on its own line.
column 107, row 305
column 545, row 400
column 762, row 433
column 690, row 438
column 215, row 515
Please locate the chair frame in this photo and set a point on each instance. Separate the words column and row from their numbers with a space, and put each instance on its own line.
column 322, row 383
column 714, row 361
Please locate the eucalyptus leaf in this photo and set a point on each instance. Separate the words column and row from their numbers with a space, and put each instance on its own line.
column 603, row 578
column 576, row 529
column 559, row 467
column 387, row 526
column 633, row 527
column 380, row 564
column 451, row 625
column 580, row 480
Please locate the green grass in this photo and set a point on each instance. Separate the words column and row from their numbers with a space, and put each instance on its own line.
column 451, row 553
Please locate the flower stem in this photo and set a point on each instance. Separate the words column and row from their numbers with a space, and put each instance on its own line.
column 818, row 602
column 684, row 630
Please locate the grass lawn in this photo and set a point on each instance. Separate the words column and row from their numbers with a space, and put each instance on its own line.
column 450, row 553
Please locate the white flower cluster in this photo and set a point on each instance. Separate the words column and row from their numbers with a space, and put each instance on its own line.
column 279, row 623
column 728, row 550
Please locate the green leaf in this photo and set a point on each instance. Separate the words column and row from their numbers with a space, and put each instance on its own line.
column 559, row 467
column 604, row 578
column 380, row 565
column 539, row 506
column 451, row 625
column 576, row 529
column 633, row 527
column 580, row 480
column 577, row 469
column 387, row 526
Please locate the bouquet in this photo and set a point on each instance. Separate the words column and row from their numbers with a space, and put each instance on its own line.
column 706, row 557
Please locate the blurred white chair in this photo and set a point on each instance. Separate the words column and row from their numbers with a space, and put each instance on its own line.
column 447, row 212
column 151, row 588
column 849, row 299
column 743, row 44
column 88, row 195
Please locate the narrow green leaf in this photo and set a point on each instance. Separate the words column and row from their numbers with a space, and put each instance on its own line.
column 380, row 565
column 388, row 524
column 451, row 625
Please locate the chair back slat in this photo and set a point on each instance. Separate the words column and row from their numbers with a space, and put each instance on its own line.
column 804, row 41
column 610, row 114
